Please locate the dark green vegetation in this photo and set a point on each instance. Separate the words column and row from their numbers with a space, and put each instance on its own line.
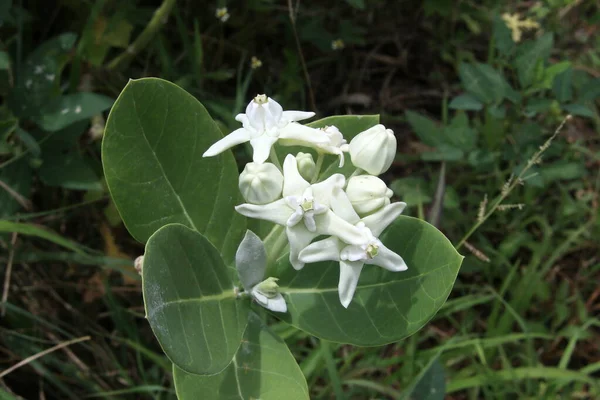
column 470, row 108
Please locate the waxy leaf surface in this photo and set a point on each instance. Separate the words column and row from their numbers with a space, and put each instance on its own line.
column 263, row 368
column 190, row 300
column 152, row 155
column 387, row 306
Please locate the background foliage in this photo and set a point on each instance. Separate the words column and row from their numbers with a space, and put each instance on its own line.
column 469, row 105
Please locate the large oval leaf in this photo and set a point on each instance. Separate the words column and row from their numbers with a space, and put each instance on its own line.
column 190, row 300
column 152, row 151
column 263, row 368
column 387, row 306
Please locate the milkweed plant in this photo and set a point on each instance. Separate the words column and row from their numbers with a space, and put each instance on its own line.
column 306, row 233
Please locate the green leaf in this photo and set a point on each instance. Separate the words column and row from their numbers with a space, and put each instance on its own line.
column 4, row 60
column 429, row 385
column 465, row 102
column 190, row 300
column 412, row 190
column 64, row 164
column 387, row 306
column 483, row 82
column 40, row 232
column 459, row 133
column 536, row 105
column 152, row 151
column 72, row 108
column 562, row 86
column 263, row 368
column 579, row 109
column 426, row 129
column 38, row 81
column 443, row 152
column 529, row 55
column 17, row 176
column 360, row 4
column 553, row 71
column 502, row 36
column 591, row 91
column 350, row 126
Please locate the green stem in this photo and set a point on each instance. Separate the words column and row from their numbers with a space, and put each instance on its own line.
column 275, row 243
column 356, row 172
column 274, row 158
column 158, row 20
column 318, row 167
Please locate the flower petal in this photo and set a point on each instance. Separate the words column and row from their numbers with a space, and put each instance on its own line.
column 295, row 218
column 331, row 224
column 389, row 260
column 323, row 191
column 299, row 237
column 341, row 206
column 353, row 253
column 381, row 219
column 236, row 137
column 322, row 250
column 277, row 211
column 262, row 147
column 276, row 304
column 293, row 116
column 309, row 221
column 303, row 134
column 349, row 274
column 293, row 183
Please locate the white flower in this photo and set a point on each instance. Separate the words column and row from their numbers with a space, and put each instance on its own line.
column 374, row 149
column 251, row 263
column 222, row 14
column 304, row 210
column 368, row 193
column 261, row 183
column 337, row 144
column 352, row 257
column 263, row 124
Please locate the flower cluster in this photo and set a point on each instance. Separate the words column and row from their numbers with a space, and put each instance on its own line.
column 352, row 212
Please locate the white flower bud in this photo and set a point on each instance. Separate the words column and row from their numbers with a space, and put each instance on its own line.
column 306, row 165
column 261, row 183
column 373, row 150
column 368, row 193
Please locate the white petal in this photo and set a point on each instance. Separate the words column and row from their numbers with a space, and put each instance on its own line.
column 293, row 183
column 389, row 260
column 323, row 250
column 353, row 253
column 277, row 211
column 349, row 274
column 331, row 224
column 295, row 218
column 273, row 113
column 262, row 148
column 276, row 304
column 323, row 191
column 243, row 118
column 342, row 159
column 299, row 237
column 293, row 116
column 381, row 219
column 309, row 221
column 251, row 260
column 303, row 133
column 234, row 138
column 259, row 297
column 341, row 206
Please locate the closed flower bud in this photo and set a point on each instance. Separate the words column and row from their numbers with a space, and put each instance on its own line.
column 373, row 150
column 261, row 183
column 306, row 165
column 368, row 193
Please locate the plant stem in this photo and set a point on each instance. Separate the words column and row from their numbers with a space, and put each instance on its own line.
column 318, row 167
column 274, row 158
column 156, row 22
column 356, row 172
column 512, row 183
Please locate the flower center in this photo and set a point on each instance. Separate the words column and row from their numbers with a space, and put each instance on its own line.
column 372, row 251
column 307, row 205
column 261, row 99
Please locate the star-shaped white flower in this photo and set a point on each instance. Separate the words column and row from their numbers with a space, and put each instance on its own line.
column 263, row 124
column 352, row 257
column 305, row 211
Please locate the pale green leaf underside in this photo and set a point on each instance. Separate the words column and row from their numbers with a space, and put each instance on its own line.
column 387, row 306
column 152, row 155
column 190, row 302
column 263, row 368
